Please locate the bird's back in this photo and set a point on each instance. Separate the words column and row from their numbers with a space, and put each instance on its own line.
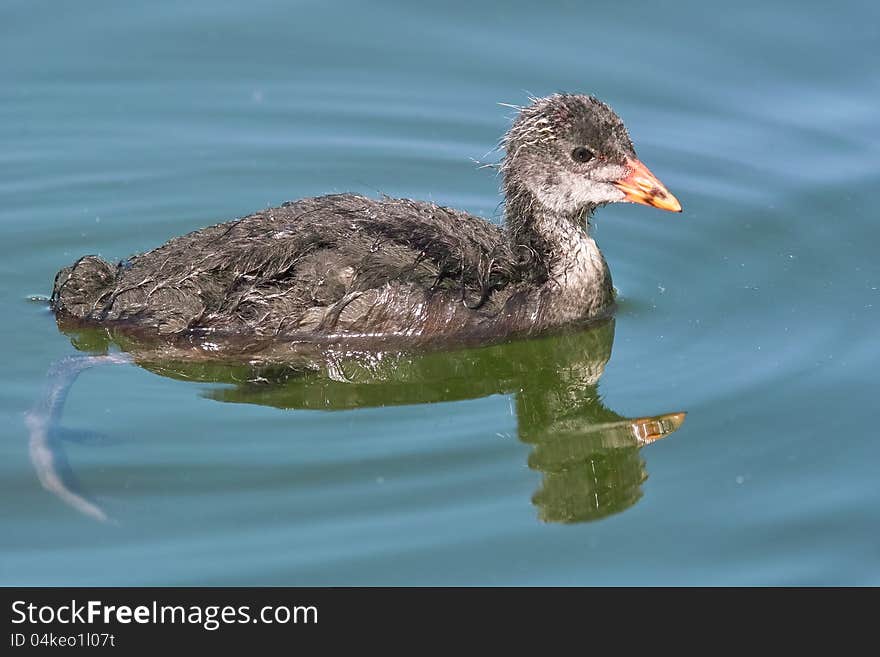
column 331, row 265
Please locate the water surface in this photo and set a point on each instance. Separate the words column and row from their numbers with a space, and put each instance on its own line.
column 756, row 311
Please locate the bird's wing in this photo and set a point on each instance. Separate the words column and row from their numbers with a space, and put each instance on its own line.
column 281, row 265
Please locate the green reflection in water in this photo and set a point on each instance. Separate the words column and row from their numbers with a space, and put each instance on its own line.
column 588, row 455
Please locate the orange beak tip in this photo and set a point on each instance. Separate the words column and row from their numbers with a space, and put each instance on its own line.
column 642, row 186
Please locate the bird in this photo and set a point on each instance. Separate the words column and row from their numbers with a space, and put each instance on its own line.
column 349, row 269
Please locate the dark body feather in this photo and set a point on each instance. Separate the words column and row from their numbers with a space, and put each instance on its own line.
column 341, row 266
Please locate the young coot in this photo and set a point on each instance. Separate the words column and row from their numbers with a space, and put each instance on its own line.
column 346, row 267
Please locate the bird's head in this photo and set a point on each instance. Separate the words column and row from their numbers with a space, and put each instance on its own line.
column 572, row 153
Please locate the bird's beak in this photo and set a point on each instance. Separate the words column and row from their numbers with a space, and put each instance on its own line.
column 641, row 186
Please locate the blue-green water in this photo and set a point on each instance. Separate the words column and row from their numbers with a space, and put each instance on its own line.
column 756, row 311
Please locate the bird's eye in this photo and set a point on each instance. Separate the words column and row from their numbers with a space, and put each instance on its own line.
column 581, row 154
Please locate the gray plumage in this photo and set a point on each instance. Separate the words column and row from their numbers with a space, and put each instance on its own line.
column 347, row 267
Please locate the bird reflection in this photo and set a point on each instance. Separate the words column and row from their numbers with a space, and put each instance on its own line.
column 588, row 455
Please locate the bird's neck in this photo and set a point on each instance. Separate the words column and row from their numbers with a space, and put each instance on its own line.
column 559, row 250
